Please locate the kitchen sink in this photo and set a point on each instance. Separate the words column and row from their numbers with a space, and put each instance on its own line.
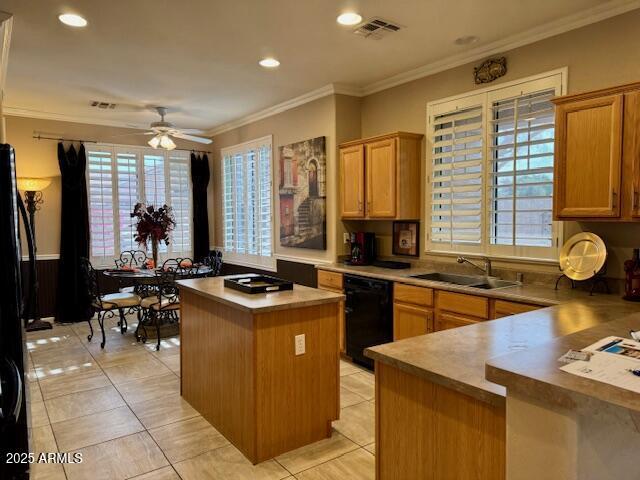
column 485, row 283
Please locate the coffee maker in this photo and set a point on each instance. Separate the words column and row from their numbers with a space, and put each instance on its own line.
column 362, row 248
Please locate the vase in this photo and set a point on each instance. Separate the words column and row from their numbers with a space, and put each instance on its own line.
column 154, row 251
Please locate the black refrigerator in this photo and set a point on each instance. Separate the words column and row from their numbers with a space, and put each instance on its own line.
column 14, row 436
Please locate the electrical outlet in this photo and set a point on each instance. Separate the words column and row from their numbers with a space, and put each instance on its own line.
column 300, row 344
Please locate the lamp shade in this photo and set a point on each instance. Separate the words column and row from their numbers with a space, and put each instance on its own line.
column 33, row 184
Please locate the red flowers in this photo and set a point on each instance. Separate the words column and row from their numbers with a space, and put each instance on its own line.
column 153, row 224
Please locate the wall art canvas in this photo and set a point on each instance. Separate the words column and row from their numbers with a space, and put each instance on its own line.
column 303, row 215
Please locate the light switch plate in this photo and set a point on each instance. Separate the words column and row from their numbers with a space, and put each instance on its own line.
column 345, row 237
column 300, row 344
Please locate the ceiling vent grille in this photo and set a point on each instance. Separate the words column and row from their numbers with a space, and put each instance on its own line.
column 376, row 28
column 103, row 105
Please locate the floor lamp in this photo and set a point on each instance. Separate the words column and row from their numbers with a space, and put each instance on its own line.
column 32, row 188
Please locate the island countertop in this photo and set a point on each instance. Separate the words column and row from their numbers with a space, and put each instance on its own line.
column 536, row 371
column 456, row 358
column 301, row 296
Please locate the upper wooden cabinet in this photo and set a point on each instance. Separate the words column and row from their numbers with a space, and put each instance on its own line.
column 597, row 155
column 380, row 177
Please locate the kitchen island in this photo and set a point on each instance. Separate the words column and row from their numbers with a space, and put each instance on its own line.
column 263, row 369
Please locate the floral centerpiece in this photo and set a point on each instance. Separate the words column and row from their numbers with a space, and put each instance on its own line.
column 153, row 225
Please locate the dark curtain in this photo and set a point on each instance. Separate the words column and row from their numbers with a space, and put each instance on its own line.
column 200, row 180
column 73, row 303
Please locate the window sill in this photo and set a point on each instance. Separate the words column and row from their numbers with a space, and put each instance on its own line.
column 501, row 258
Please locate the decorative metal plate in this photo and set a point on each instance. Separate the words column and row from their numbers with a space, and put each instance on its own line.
column 583, row 256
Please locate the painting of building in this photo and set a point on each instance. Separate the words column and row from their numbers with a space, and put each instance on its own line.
column 303, row 194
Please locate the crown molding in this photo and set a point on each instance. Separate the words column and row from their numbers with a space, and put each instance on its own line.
column 321, row 92
column 62, row 117
column 557, row 27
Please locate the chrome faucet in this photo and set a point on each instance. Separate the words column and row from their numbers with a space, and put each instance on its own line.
column 487, row 264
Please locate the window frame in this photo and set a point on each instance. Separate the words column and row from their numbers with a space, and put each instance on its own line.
column 114, row 150
column 258, row 260
column 553, row 79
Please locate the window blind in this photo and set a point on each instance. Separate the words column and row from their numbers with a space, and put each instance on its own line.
column 101, row 207
column 180, row 199
column 128, row 195
column 456, row 180
column 248, row 222
column 522, row 142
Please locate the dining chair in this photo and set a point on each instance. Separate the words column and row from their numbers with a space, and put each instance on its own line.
column 105, row 305
column 162, row 308
column 214, row 261
column 131, row 258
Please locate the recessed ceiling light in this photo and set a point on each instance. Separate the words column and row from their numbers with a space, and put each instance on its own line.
column 349, row 18
column 72, row 20
column 467, row 40
column 269, row 62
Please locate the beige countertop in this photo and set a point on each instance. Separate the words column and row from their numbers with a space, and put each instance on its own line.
column 214, row 289
column 456, row 358
column 536, row 371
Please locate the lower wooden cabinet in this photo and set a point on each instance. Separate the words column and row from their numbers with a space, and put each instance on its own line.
column 504, row 308
column 447, row 320
column 410, row 321
column 332, row 281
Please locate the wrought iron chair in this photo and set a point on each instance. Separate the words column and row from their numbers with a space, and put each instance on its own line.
column 214, row 261
column 132, row 258
column 162, row 308
column 104, row 305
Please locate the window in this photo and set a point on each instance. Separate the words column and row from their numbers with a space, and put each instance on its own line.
column 248, row 221
column 491, row 180
column 121, row 176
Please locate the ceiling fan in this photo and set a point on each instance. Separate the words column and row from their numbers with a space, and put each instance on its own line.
column 163, row 131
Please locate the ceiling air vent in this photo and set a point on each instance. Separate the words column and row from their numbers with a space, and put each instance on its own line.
column 376, row 28
column 103, row 105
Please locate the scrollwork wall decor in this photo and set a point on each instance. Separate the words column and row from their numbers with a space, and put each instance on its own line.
column 490, row 70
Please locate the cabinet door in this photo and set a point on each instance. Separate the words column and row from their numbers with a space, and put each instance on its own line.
column 352, row 181
column 503, row 308
column 381, row 178
column 341, row 319
column 631, row 151
column 446, row 320
column 588, row 158
column 410, row 321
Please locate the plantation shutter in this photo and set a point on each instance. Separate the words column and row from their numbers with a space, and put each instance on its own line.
column 265, row 219
column 522, row 143
column 180, row 200
column 101, row 204
column 229, row 203
column 456, row 178
column 128, row 195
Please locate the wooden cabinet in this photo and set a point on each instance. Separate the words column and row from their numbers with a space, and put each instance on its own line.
column 352, row 181
column 503, row 308
column 333, row 282
column 459, row 309
column 597, row 162
column 380, row 177
column 412, row 311
column 446, row 320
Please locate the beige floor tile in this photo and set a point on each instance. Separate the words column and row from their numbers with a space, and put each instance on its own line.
column 128, row 372
column 187, row 439
column 83, row 403
column 356, row 465
column 172, row 362
column 229, row 464
column 112, row 358
column 150, row 388
column 118, row 459
column 56, row 339
column 38, row 414
column 57, row 385
column 162, row 411
column 165, row 473
column 58, row 354
column 348, row 368
column 371, row 448
column 361, row 383
column 348, row 398
column 319, row 452
column 35, row 394
column 96, row 428
column 168, row 346
column 42, row 440
column 68, row 364
column 47, row 471
column 357, row 423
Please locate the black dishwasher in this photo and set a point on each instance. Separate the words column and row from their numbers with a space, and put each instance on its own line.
column 368, row 315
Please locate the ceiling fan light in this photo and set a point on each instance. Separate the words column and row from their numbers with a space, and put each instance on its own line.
column 167, row 143
column 154, row 142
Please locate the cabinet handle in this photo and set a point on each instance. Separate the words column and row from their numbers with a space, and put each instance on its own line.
column 635, row 200
column 359, row 205
column 614, row 196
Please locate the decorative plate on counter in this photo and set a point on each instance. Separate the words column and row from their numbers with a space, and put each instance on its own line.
column 583, row 256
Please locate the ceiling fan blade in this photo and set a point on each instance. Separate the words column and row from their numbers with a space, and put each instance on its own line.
column 192, row 138
column 191, row 131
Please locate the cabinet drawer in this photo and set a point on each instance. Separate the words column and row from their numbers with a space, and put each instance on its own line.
column 463, row 303
column 503, row 308
column 412, row 294
column 446, row 320
column 329, row 280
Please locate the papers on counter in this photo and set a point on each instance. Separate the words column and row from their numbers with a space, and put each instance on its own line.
column 612, row 361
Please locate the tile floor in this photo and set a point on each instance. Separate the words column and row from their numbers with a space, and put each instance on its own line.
column 122, row 409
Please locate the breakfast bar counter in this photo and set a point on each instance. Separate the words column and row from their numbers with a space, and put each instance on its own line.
column 263, row 369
